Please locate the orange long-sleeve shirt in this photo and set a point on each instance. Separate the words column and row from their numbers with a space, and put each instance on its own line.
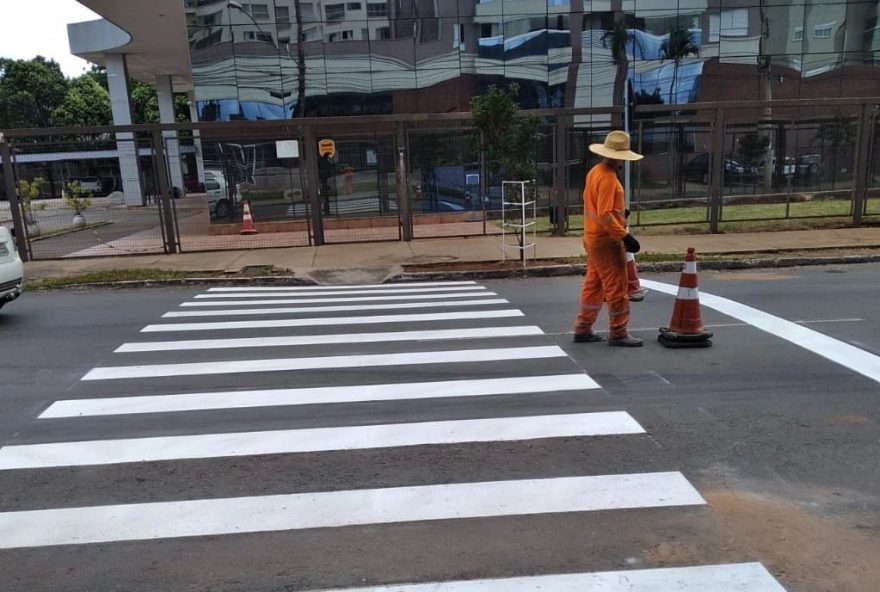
column 604, row 204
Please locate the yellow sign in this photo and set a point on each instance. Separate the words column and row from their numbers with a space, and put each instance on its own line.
column 327, row 147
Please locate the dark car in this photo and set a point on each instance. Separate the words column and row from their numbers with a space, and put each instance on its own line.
column 809, row 165
column 698, row 170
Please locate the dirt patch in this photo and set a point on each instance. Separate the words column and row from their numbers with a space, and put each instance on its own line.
column 807, row 551
column 848, row 420
column 487, row 265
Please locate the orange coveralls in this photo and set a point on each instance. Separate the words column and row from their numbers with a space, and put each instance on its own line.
column 604, row 229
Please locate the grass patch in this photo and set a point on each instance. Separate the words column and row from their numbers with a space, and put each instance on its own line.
column 112, row 275
column 749, row 217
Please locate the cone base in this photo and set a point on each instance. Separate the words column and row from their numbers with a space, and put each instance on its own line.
column 675, row 339
column 248, row 232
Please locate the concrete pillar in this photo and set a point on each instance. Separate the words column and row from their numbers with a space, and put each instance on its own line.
column 129, row 168
column 165, row 94
column 197, row 137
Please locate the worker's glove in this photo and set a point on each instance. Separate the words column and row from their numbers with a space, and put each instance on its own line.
column 626, row 213
column 631, row 244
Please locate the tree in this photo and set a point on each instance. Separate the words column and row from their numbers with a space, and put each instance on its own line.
column 144, row 101
column 508, row 138
column 30, row 90
column 752, row 147
column 679, row 44
column 87, row 104
column 616, row 39
column 837, row 135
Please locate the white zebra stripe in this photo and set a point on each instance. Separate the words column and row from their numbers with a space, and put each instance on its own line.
column 367, row 320
column 319, row 395
column 160, row 520
column 333, row 291
column 483, row 294
column 340, row 308
column 350, row 338
column 132, row 450
column 737, row 577
column 341, row 287
column 323, row 363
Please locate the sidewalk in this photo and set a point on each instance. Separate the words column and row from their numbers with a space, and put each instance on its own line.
column 371, row 262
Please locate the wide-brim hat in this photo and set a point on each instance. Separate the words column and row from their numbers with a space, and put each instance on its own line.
column 616, row 147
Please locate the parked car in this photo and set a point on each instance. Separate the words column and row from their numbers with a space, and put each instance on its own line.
column 786, row 171
column 217, row 192
column 11, row 269
column 698, row 170
column 93, row 184
column 809, row 165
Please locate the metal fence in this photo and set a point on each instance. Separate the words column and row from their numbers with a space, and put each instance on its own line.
column 183, row 187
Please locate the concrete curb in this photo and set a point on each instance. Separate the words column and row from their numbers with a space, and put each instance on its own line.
column 476, row 274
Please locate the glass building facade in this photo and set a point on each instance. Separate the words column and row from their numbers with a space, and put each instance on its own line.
column 279, row 59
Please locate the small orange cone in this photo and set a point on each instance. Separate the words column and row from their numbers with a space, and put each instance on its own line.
column 247, row 220
column 686, row 327
column 635, row 291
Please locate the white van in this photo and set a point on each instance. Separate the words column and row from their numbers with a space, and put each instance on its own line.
column 11, row 269
column 218, row 194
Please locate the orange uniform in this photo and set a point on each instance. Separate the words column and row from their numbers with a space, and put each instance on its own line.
column 605, row 227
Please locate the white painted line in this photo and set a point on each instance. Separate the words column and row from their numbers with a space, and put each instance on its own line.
column 335, row 292
column 339, row 308
column 367, row 320
column 469, row 294
column 499, row 429
column 318, row 395
column 324, row 362
column 737, row 577
column 348, row 338
column 846, row 355
column 160, row 520
column 341, row 287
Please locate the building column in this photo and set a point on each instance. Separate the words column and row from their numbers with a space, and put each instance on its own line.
column 126, row 147
column 197, row 137
column 165, row 94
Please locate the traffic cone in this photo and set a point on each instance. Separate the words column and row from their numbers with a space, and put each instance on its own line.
column 635, row 291
column 247, row 221
column 686, row 327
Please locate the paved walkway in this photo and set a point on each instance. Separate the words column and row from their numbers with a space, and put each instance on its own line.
column 380, row 258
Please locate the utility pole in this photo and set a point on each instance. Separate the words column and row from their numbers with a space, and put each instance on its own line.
column 765, row 71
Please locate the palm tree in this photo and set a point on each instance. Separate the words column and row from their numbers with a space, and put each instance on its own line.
column 678, row 45
column 300, row 62
column 616, row 39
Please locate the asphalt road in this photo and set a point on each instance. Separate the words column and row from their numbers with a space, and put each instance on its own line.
column 780, row 442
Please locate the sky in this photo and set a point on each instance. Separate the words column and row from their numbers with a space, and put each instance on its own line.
column 29, row 28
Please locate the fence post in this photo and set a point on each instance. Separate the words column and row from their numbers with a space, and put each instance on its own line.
column 716, row 187
column 560, row 177
column 309, row 159
column 9, row 176
column 164, row 190
column 403, row 204
column 862, row 164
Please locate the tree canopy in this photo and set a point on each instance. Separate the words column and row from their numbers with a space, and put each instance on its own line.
column 35, row 93
column 509, row 138
column 30, row 90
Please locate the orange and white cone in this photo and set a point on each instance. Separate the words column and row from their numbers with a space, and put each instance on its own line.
column 686, row 327
column 247, row 220
column 634, row 289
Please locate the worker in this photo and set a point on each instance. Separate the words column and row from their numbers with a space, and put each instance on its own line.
column 606, row 241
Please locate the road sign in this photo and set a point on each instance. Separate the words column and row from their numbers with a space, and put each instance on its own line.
column 328, row 147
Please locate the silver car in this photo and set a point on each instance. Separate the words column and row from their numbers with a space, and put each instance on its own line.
column 11, row 269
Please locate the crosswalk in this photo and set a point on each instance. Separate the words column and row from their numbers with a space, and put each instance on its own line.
column 340, row 347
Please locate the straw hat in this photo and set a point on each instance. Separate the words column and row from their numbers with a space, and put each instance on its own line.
column 616, row 146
